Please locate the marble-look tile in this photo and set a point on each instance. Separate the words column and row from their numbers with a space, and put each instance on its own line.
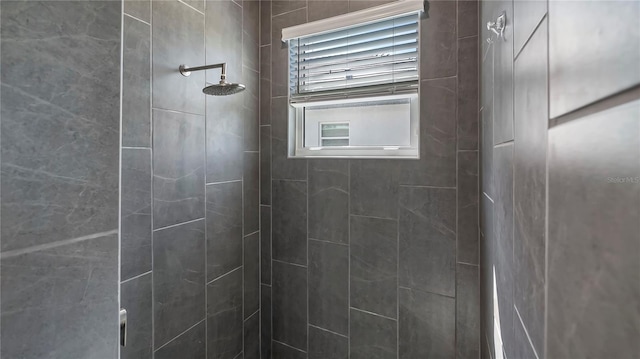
column 582, row 35
column 283, row 167
column 283, row 6
column 427, row 325
column 265, row 85
column 467, row 312
column 265, row 165
column 467, row 247
column 136, row 81
column 521, row 345
column 279, row 49
column 322, row 9
column 327, row 345
column 251, row 274
column 178, row 38
column 136, row 298
column 374, row 188
column 61, row 302
column 178, row 168
column 224, row 316
column 140, row 9
column 437, row 163
column 504, row 264
column 289, row 305
column 438, row 41
column 224, row 228
column 283, row 351
column 329, row 286
column 289, row 231
column 224, row 139
column 529, row 164
column 251, row 109
column 196, row 4
column 593, row 269
column 265, row 245
column 503, row 78
column 265, row 22
column 468, row 18
column 527, row 14
column 487, row 260
column 372, row 336
column 428, row 239
column 374, row 265
column 60, row 101
column 135, row 243
column 251, row 34
column 468, row 90
column 178, row 280
column 251, row 189
column 252, row 337
column 224, row 39
column 329, row 200
column 486, row 152
column 190, row 344
column 265, row 321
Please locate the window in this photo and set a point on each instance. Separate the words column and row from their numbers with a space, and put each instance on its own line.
column 353, row 88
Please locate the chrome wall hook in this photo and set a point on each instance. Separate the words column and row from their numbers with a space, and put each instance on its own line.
column 498, row 26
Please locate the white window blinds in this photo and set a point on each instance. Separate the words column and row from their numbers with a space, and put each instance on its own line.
column 375, row 57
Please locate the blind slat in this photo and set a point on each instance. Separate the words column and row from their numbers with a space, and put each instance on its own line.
column 382, row 53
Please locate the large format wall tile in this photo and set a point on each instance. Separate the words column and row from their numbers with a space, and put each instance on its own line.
column 289, row 232
column 374, row 265
column 224, row 228
column 468, row 19
column 224, row 139
column 135, row 243
column 327, row 345
column 136, row 83
column 265, row 321
column 428, row 239
column 60, row 120
column 282, row 166
column 265, row 23
column 265, row 245
column 251, row 189
column 486, row 118
column 289, row 305
column 467, row 247
column 62, row 302
column 468, row 90
column 265, row 84
column 372, row 336
column 178, row 38
column 437, row 163
column 329, row 200
column 594, row 241
column 529, row 163
column 438, row 41
column 427, row 325
column 178, row 168
column 584, row 47
column 467, row 311
column 279, row 49
column 178, row 280
column 251, row 35
column 265, row 165
column 251, row 108
column 140, row 9
column 190, row 344
column 283, row 351
column 374, row 188
column 252, row 337
column 283, row 6
column 527, row 15
column 521, row 343
column 503, row 76
column 322, row 9
column 251, row 278
column 329, row 286
column 224, row 316
column 136, row 298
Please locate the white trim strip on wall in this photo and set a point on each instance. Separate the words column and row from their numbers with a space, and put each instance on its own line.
column 397, row 8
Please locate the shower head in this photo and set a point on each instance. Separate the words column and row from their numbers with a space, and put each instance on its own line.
column 223, row 88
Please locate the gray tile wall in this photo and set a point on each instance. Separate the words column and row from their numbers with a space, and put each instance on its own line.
column 60, row 120
column 344, row 242
column 190, row 178
column 560, row 160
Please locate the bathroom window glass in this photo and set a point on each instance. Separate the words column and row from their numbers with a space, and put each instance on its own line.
column 354, row 91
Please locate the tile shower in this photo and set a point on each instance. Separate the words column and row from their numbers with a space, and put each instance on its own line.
column 124, row 186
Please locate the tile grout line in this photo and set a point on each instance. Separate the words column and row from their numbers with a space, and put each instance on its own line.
column 179, row 335
column 179, row 224
column 135, row 277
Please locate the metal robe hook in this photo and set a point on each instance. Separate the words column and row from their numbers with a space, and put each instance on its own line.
column 498, row 26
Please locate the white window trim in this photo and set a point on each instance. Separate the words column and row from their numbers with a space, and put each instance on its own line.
column 339, row 22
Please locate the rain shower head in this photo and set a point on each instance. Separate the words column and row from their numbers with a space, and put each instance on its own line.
column 223, row 88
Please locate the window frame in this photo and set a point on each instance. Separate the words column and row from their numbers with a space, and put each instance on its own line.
column 295, row 125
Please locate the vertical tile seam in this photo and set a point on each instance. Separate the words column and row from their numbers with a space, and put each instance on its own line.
column 151, row 142
column 545, row 325
column 206, row 171
column 119, row 236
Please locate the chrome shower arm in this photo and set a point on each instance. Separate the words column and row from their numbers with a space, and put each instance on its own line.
column 186, row 71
